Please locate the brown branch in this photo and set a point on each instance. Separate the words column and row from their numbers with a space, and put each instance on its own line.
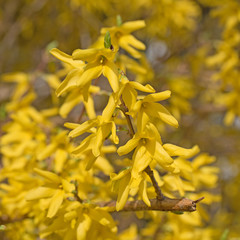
column 158, row 191
column 6, row 219
column 166, row 204
column 129, row 122
column 148, row 170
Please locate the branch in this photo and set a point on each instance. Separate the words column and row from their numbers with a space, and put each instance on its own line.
column 158, row 191
column 166, row 204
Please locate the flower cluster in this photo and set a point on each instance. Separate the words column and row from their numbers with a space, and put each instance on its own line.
column 62, row 182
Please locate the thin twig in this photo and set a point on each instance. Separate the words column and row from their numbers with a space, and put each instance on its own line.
column 129, row 122
column 158, row 191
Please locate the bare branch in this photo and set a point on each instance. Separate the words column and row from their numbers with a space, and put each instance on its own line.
column 166, row 204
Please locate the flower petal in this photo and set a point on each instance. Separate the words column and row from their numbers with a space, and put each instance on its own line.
column 143, row 192
column 66, row 58
column 51, row 177
column 174, row 150
column 40, row 192
column 156, row 97
column 123, row 192
column 55, row 203
column 110, row 71
column 159, row 111
column 88, row 55
column 83, row 128
column 142, row 88
column 129, row 146
column 69, row 82
column 132, row 26
column 92, row 71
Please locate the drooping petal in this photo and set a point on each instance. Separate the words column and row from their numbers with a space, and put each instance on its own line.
column 142, row 121
column 67, row 186
column 73, row 99
column 88, row 55
column 136, row 108
column 103, row 164
column 203, row 159
column 83, row 227
column 40, row 192
column 69, row 82
column 110, row 71
column 156, row 97
column 125, row 45
column 109, row 109
column 89, row 160
column 129, row 96
column 84, row 127
column 84, row 145
column 48, row 150
column 102, row 217
column 142, row 88
column 132, row 26
column 123, row 192
column 121, row 174
column 66, row 58
column 131, row 40
column 129, row 146
column 161, row 156
column 52, row 177
column 141, row 159
column 89, row 106
column 91, row 71
column 71, row 125
column 159, row 111
column 174, row 150
column 114, row 135
column 60, row 158
column 55, row 203
column 100, row 136
column 143, row 192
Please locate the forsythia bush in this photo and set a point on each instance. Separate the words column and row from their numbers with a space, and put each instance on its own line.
column 76, row 180
column 102, row 142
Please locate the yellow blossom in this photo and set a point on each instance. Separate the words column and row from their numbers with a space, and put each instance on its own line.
column 99, row 61
column 55, row 189
column 120, row 36
column 147, row 108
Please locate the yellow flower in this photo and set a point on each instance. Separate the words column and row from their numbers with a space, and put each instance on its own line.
column 96, row 139
column 129, row 93
column 75, row 97
column 81, row 221
column 120, row 36
column 99, row 61
column 55, row 189
column 101, row 162
column 147, row 108
column 124, row 184
column 204, row 175
column 148, row 147
column 76, row 66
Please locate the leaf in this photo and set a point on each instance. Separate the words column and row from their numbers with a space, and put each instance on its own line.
column 177, row 212
column 225, row 234
column 119, row 20
column 107, row 40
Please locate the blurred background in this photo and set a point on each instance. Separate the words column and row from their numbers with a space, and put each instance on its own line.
column 192, row 49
